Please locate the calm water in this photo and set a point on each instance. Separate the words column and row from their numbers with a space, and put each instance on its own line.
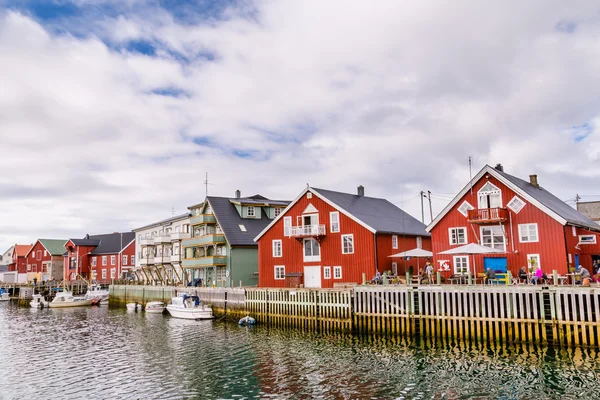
column 97, row 353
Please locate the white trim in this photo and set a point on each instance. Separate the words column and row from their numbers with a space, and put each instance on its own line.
column 466, row 213
column 574, row 230
column 310, row 209
column 277, row 241
column 537, row 233
column 351, row 235
column 326, row 272
column 395, row 242
column 466, row 258
column 336, row 269
column 458, row 243
column 283, row 212
column 496, row 191
column 517, row 199
column 312, row 257
column 590, row 242
column 290, row 226
column 491, row 227
column 275, row 272
column 489, row 170
column 539, row 261
column 331, row 214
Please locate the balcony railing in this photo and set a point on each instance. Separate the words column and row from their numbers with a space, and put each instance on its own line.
column 162, row 238
column 147, row 242
column 203, row 219
column 209, row 261
column 211, row 238
column 180, row 235
column 175, row 258
column 308, row 230
column 488, row 215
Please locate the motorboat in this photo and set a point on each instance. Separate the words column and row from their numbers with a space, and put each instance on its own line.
column 66, row 299
column 135, row 307
column 96, row 293
column 247, row 321
column 189, row 307
column 38, row 301
column 4, row 296
column 155, row 307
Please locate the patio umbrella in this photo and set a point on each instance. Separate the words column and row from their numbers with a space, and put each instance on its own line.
column 417, row 253
column 470, row 249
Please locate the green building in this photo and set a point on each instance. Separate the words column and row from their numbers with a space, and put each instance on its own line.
column 221, row 251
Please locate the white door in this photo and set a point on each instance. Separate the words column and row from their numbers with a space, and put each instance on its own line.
column 312, row 277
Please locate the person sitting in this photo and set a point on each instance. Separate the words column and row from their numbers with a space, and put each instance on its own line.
column 377, row 279
column 490, row 275
column 584, row 272
column 522, row 275
column 538, row 277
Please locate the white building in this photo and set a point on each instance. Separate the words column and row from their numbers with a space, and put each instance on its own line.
column 159, row 252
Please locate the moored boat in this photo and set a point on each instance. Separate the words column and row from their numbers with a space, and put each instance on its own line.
column 247, row 321
column 189, row 307
column 66, row 299
column 97, row 294
column 155, row 307
column 4, row 296
column 38, row 301
column 134, row 306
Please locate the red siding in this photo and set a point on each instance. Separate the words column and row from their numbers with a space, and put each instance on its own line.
column 550, row 247
column 83, row 261
column 585, row 252
column 84, row 267
column 384, row 249
column 353, row 265
column 35, row 261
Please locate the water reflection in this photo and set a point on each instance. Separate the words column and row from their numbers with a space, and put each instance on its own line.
column 100, row 353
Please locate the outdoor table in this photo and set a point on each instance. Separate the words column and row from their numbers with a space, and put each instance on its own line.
column 572, row 278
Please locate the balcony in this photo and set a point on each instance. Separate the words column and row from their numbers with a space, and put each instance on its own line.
column 147, row 242
column 162, row 259
column 484, row 216
column 210, row 261
column 180, row 235
column 203, row 219
column 308, row 231
column 162, row 238
column 211, row 238
column 147, row 261
column 175, row 258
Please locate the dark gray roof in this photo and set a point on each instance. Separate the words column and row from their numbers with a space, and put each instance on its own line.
column 269, row 202
column 111, row 243
column 379, row 214
column 571, row 215
column 230, row 221
column 85, row 242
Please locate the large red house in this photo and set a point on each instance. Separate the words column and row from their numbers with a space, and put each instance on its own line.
column 45, row 259
column 19, row 262
column 100, row 258
column 325, row 237
column 530, row 225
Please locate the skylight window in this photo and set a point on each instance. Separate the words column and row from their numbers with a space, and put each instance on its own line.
column 243, row 228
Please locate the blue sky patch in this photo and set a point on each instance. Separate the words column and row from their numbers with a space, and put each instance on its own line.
column 141, row 46
column 171, row 92
column 582, row 131
column 566, row 26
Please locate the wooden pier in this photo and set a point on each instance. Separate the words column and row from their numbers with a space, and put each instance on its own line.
column 560, row 315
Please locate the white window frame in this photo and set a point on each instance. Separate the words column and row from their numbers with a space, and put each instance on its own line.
column 45, row 253
column 251, row 214
column 395, row 268
column 535, row 256
column 587, row 242
column 394, row 241
column 326, row 272
column 38, row 255
column 277, row 248
column 281, row 275
column 287, row 226
column 125, row 259
column 481, row 192
column 94, row 261
column 243, row 228
column 337, row 272
column 132, row 260
column 333, row 223
column 574, row 230
column 351, row 236
column 113, row 273
column 518, row 206
column 113, row 260
column 311, row 257
column 419, row 242
column 104, row 261
column 456, row 229
column 277, row 211
column 528, row 235
column 465, row 207
column 309, row 195
column 493, row 227
column 462, row 259
column 103, row 274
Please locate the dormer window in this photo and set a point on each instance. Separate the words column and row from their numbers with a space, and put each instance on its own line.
column 489, row 196
column 251, row 211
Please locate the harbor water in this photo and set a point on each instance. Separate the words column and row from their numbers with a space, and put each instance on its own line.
column 101, row 353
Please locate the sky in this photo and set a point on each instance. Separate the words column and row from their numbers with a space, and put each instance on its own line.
column 112, row 112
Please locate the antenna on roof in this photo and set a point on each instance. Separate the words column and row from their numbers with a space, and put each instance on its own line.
column 470, row 175
column 206, row 186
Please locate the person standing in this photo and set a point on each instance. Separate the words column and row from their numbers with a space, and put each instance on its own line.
column 429, row 272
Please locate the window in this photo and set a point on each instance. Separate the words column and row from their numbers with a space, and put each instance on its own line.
column 34, row 267
column 464, row 208
column 516, row 204
column 277, row 211
column 337, row 272
column 574, row 230
column 312, row 251
column 38, row 255
column 103, row 274
column 528, row 233
column 73, row 276
column 395, row 268
column 279, row 272
column 493, row 236
column 533, row 260
column 104, row 260
column 347, row 244
column 93, row 261
column 334, row 221
column 28, row 267
column 132, row 260
column 327, row 272
column 587, row 239
column 45, row 253
column 113, row 273
column 242, row 228
column 489, row 196
column 394, row 241
column 44, row 267
column 251, row 211
column 419, row 242
column 277, row 252
column 461, row 264
column 309, row 195
column 287, row 226
column 124, row 260
column 113, row 260
column 458, row 235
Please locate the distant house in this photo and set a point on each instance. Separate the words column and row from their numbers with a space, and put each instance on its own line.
column 7, row 257
column 100, row 257
column 325, row 237
column 590, row 209
column 19, row 262
column 530, row 225
column 45, row 259
column 222, row 251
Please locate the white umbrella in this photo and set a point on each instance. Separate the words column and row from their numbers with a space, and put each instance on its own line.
column 472, row 248
column 417, row 253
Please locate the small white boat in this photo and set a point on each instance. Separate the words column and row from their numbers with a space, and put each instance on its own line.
column 189, row 307
column 4, row 295
column 38, row 301
column 66, row 299
column 134, row 306
column 96, row 293
column 155, row 307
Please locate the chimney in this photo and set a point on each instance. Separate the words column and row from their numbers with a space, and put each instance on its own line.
column 238, row 194
column 87, row 236
column 533, row 181
column 499, row 167
column 361, row 191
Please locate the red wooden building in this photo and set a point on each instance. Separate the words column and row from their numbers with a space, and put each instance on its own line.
column 525, row 221
column 19, row 262
column 45, row 259
column 325, row 237
column 100, row 257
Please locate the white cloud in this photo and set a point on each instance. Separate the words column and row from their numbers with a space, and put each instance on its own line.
column 391, row 95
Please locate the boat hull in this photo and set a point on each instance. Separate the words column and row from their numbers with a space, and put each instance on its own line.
column 190, row 313
column 155, row 307
column 5, row 297
column 66, row 304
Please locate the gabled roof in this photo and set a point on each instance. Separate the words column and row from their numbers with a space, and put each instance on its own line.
column 230, row 220
column 56, row 247
column 21, row 250
column 538, row 196
column 111, row 243
column 375, row 214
